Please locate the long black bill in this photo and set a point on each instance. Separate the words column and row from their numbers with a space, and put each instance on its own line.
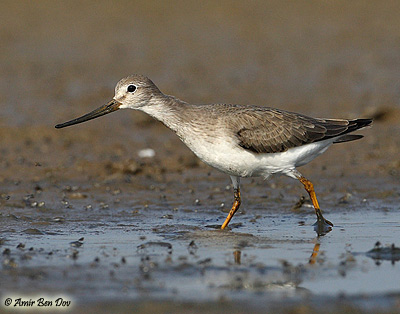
column 113, row 105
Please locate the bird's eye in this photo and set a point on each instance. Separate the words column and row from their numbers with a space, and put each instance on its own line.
column 131, row 88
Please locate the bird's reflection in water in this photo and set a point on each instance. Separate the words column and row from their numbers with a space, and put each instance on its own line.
column 314, row 254
column 290, row 276
column 321, row 230
column 237, row 257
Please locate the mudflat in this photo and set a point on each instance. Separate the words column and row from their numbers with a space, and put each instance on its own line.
column 86, row 216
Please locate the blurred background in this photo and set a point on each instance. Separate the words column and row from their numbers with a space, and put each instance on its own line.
column 60, row 59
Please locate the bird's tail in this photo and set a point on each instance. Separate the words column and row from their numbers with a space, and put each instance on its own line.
column 347, row 138
column 353, row 126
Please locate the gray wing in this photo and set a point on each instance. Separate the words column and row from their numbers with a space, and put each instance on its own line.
column 268, row 130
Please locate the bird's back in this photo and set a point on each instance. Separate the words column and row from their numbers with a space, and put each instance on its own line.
column 268, row 130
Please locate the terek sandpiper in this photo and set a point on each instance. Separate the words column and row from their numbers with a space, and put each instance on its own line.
column 241, row 141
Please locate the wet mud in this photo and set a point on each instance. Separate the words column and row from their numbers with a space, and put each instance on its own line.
column 118, row 215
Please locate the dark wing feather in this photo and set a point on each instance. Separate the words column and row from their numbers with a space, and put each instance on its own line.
column 267, row 130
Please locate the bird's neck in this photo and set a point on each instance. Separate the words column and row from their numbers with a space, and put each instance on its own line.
column 167, row 109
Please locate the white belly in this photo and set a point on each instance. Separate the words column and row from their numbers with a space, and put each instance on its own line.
column 234, row 160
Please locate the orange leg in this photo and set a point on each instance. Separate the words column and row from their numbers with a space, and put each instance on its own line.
column 310, row 189
column 235, row 207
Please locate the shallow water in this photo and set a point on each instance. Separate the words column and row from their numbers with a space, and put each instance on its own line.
column 150, row 225
column 163, row 253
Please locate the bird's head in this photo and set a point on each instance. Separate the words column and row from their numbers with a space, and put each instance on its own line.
column 134, row 92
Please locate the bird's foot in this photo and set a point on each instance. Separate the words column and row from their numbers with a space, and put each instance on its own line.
column 322, row 226
column 324, row 221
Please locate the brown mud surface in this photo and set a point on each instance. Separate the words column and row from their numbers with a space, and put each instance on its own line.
column 83, row 216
